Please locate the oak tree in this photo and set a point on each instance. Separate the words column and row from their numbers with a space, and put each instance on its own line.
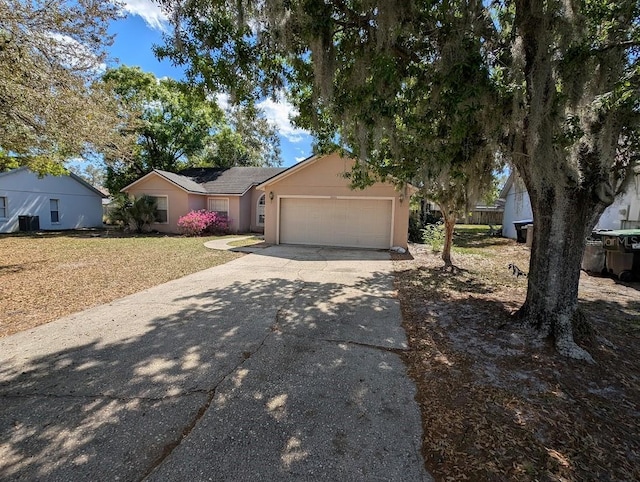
column 561, row 78
column 51, row 54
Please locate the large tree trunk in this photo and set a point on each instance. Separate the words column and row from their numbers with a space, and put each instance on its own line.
column 449, row 224
column 562, row 222
column 565, row 185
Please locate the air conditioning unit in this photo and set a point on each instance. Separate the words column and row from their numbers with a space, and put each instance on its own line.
column 28, row 223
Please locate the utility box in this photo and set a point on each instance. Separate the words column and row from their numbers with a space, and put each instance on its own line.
column 28, row 224
column 529, row 237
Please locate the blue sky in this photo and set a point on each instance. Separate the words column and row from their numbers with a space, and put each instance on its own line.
column 142, row 27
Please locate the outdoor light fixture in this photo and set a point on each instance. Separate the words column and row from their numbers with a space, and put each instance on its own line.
column 401, row 197
column 271, row 195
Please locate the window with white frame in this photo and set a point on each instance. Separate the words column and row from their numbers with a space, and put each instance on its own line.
column 3, row 207
column 220, row 206
column 260, row 211
column 54, row 209
column 162, row 207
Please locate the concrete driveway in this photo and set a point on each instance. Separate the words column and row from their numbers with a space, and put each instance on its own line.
column 280, row 365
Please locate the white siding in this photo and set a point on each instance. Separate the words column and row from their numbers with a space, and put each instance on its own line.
column 623, row 213
column 27, row 194
column 517, row 207
column 625, row 208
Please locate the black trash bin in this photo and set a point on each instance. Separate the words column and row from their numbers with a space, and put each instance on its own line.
column 521, row 233
column 28, row 223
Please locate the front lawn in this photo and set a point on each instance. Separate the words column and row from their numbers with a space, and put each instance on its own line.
column 497, row 402
column 46, row 276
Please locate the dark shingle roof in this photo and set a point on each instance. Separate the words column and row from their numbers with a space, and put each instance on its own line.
column 233, row 180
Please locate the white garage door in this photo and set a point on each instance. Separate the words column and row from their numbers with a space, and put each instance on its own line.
column 363, row 223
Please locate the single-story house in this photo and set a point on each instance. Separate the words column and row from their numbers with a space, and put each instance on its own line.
column 33, row 202
column 624, row 213
column 230, row 192
column 312, row 203
column 309, row 203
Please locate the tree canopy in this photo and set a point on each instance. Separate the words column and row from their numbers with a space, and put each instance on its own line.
column 555, row 84
column 50, row 56
column 176, row 125
column 246, row 138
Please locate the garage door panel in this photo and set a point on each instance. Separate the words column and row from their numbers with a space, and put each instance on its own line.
column 336, row 222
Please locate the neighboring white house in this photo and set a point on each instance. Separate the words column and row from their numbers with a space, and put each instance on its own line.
column 624, row 213
column 517, row 205
column 59, row 202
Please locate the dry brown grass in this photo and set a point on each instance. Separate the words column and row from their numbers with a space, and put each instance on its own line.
column 497, row 402
column 46, row 276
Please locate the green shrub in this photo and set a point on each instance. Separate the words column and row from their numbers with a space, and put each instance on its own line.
column 433, row 235
column 416, row 227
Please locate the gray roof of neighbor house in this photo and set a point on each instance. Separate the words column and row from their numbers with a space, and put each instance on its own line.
column 208, row 180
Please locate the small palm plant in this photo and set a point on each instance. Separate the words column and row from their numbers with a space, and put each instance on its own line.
column 135, row 212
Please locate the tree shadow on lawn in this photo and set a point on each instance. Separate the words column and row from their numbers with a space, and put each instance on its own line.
column 17, row 268
column 88, row 233
column 442, row 281
column 115, row 405
column 478, row 240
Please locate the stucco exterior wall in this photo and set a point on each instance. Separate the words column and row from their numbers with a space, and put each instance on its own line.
column 517, row 207
column 28, row 195
column 325, row 177
column 197, row 202
column 178, row 201
column 244, row 225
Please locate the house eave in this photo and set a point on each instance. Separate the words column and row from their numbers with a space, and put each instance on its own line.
column 156, row 173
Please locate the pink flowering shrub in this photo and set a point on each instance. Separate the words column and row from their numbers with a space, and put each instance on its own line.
column 195, row 223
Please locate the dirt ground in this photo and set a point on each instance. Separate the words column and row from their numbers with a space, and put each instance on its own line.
column 497, row 402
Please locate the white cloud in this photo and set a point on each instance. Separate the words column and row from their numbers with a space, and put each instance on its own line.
column 222, row 100
column 150, row 11
column 279, row 113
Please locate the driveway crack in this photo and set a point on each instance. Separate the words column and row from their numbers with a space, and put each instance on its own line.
column 211, row 394
column 389, row 349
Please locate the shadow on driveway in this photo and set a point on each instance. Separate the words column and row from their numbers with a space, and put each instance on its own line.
column 283, row 376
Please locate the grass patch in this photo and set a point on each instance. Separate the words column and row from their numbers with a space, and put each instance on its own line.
column 46, row 276
column 246, row 242
column 473, row 228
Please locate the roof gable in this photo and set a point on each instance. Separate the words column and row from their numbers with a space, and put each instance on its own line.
column 208, row 180
column 290, row 170
column 310, row 161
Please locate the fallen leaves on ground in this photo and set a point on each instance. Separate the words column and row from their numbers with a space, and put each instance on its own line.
column 497, row 402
